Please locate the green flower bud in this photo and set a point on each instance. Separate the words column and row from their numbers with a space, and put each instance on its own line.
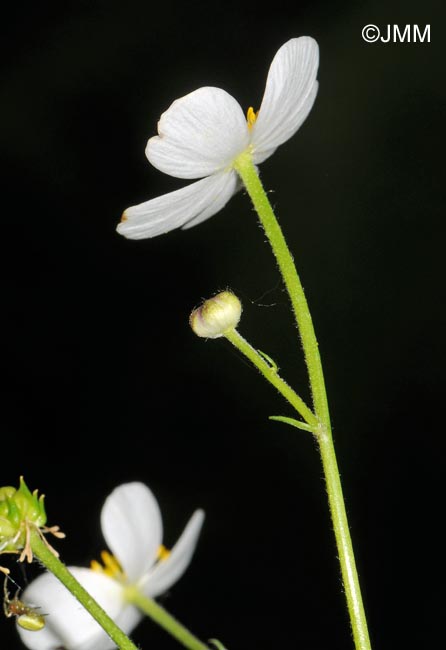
column 216, row 316
column 21, row 511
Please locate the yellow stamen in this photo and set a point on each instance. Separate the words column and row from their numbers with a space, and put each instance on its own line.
column 251, row 117
column 111, row 567
column 110, row 562
column 163, row 553
column 96, row 566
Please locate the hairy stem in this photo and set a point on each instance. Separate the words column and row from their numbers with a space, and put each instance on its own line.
column 248, row 173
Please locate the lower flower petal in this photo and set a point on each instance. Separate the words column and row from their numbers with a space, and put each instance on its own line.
column 164, row 574
column 183, row 208
column 67, row 623
column 220, row 199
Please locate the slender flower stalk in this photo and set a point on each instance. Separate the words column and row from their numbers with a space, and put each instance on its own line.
column 248, row 173
column 158, row 614
column 270, row 373
column 57, row 568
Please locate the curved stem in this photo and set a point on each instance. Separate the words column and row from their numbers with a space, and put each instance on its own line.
column 157, row 613
column 248, row 173
column 53, row 564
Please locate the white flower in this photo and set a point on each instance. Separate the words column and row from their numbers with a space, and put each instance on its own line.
column 202, row 134
column 132, row 527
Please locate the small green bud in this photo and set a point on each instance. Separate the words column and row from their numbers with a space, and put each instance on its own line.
column 216, row 316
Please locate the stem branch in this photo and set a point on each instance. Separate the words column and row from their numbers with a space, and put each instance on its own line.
column 271, row 375
column 248, row 173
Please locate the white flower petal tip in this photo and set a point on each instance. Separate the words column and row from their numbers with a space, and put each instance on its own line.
column 166, row 572
column 202, row 134
column 182, row 208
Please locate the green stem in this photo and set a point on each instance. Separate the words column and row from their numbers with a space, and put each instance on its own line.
column 270, row 373
column 53, row 564
column 164, row 619
column 344, row 542
column 248, row 173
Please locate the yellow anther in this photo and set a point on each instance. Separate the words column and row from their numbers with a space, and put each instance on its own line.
column 95, row 566
column 251, row 117
column 163, row 553
column 110, row 565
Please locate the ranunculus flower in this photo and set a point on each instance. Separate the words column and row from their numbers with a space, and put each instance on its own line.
column 132, row 527
column 202, row 134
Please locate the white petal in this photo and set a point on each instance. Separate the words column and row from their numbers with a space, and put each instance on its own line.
column 199, row 134
column 67, row 623
column 290, row 91
column 183, row 208
column 132, row 527
column 168, row 571
column 231, row 186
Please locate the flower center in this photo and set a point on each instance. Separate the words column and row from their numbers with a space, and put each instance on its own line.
column 111, row 567
column 251, row 117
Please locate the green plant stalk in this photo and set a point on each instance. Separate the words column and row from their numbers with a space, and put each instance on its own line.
column 248, row 173
column 272, row 376
column 158, row 614
column 53, row 564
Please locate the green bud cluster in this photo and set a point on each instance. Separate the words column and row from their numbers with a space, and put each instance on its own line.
column 19, row 508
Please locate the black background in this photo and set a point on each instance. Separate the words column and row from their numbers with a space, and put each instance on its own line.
column 103, row 380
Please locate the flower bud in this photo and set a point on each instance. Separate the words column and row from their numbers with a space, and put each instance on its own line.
column 18, row 510
column 216, row 316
